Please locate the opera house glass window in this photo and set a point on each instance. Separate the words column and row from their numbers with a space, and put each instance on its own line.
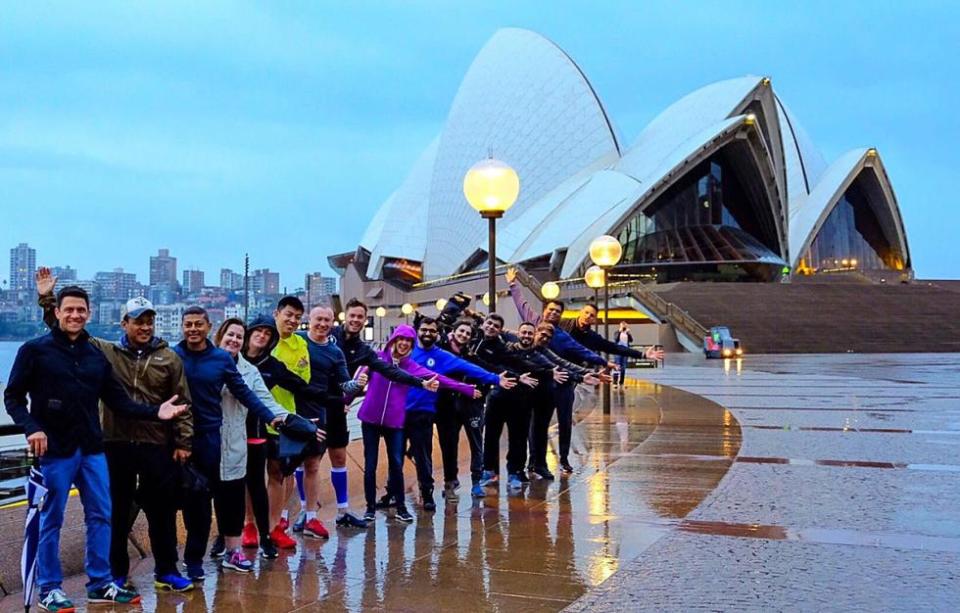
column 714, row 222
column 852, row 238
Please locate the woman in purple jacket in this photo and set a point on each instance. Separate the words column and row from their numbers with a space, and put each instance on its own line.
column 381, row 416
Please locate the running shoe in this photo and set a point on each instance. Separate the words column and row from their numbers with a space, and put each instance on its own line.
column 449, row 492
column 195, row 572
column 403, row 515
column 218, row 548
column 349, row 520
column 268, row 551
column 173, row 582
column 386, row 502
column 477, row 491
column 235, row 560
column 315, row 529
column 565, row 467
column 281, row 539
column 370, row 515
column 56, row 601
column 523, row 476
column 489, row 479
column 544, row 473
column 301, row 522
column 284, row 523
column 429, row 504
column 112, row 592
column 514, row 482
column 125, row 583
column 249, row 536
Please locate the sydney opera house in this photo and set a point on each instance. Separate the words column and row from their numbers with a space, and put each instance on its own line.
column 723, row 185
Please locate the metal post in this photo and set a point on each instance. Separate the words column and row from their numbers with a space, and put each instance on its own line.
column 246, row 286
column 492, row 273
column 606, row 335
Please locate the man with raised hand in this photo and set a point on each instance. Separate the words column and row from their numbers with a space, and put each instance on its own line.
column 569, row 349
column 141, row 454
column 358, row 354
column 65, row 376
column 421, row 404
column 581, row 330
column 328, row 367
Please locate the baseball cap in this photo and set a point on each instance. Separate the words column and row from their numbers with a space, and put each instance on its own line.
column 136, row 307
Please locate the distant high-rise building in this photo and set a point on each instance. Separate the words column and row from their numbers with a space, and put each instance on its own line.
column 167, row 322
column 117, row 285
column 163, row 293
column 64, row 273
column 230, row 280
column 265, row 282
column 23, row 265
column 163, row 268
column 319, row 288
column 192, row 281
column 91, row 287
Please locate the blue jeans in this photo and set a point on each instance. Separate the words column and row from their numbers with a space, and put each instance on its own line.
column 89, row 473
column 622, row 365
column 393, row 438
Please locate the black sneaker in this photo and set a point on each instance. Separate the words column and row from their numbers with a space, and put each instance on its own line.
column 404, row 515
column 544, row 473
column 218, row 548
column 370, row 515
column 565, row 467
column 268, row 551
column 429, row 504
column 386, row 502
column 349, row 520
column 523, row 476
column 113, row 593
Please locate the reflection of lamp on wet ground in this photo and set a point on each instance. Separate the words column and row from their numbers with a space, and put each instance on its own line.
column 406, row 309
column 491, row 187
column 606, row 251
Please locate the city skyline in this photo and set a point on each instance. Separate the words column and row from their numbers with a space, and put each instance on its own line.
column 216, row 145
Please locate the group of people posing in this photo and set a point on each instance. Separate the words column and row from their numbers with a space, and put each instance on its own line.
column 206, row 422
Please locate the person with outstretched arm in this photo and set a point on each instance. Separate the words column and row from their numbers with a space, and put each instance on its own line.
column 65, row 377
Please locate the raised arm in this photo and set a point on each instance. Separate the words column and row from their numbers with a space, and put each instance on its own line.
column 523, row 308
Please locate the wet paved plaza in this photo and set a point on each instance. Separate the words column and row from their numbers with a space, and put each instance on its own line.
column 789, row 483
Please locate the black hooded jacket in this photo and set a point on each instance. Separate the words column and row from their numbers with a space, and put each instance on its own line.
column 276, row 374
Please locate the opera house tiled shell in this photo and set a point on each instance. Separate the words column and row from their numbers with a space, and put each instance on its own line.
column 724, row 184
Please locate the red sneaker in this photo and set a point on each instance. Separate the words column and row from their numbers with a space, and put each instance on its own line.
column 250, row 536
column 284, row 523
column 315, row 529
column 281, row 540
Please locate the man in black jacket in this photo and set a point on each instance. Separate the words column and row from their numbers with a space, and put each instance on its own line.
column 65, row 377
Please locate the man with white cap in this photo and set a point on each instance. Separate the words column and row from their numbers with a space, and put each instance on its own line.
column 140, row 453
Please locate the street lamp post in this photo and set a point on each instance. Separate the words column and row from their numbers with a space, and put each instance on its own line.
column 491, row 187
column 406, row 309
column 381, row 313
column 606, row 251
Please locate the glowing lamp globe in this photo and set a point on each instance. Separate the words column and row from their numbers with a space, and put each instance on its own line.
column 486, row 298
column 407, row 308
column 594, row 277
column 441, row 302
column 605, row 251
column 550, row 290
column 491, row 187
column 381, row 312
column 342, row 316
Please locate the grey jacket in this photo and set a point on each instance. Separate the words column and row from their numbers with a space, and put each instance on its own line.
column 233, row 432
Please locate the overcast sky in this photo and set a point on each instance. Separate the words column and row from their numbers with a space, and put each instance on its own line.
column 218, row 128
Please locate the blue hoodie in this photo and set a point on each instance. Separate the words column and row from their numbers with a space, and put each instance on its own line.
column 443, row 363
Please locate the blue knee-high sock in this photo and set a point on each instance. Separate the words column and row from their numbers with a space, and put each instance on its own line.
column 338, row 476
column 298, row 475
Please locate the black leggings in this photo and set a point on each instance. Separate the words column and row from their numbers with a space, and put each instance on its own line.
column 257, row 487
column 229, row 504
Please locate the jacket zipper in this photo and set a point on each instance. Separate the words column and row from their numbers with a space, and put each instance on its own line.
column 386, row 399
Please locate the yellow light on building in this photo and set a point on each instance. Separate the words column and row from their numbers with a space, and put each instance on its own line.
column 491, row 187
column 381, row 312
column 550, row 290
column 605, row 251
column 441, row 302
column 594, row 277
column 407, row 308
column 750, row 119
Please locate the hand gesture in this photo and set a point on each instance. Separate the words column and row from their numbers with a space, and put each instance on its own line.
column 612, row 366
column 363, row 379
column 169, row 410
column 507, row 382
column 591, row 379
column 431, row 384
column 321, row 433
column 278, row 421
column 511, row 274
column 45, row 281
column 653, row 353
column 604, row 377
column 38, row 443
column 527, row 380
column 477, row 394
column 181, row 455
column 560, row 376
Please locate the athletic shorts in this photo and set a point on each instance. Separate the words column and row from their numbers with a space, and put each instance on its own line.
column 338, row 436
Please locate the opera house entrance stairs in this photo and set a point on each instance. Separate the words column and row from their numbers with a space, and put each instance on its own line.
column 814, row 316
